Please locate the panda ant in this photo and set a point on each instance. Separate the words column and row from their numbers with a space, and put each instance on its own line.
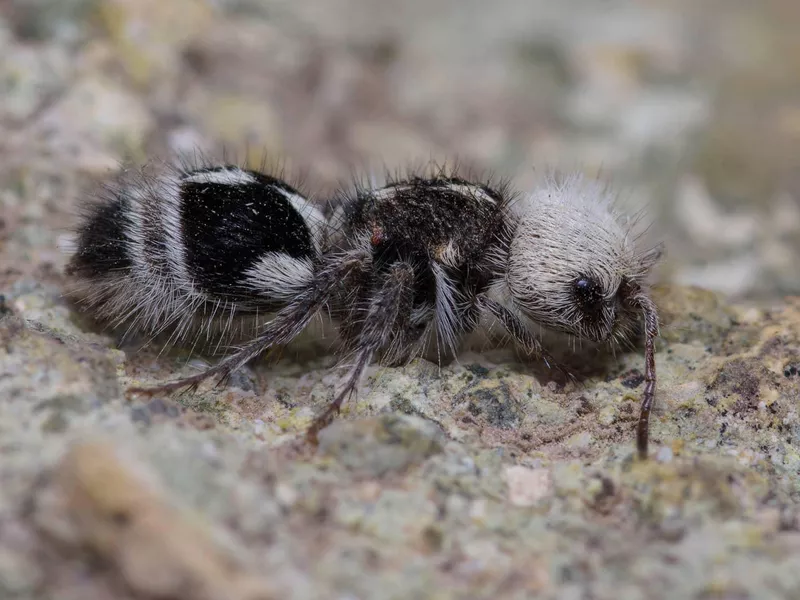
column 422, row 258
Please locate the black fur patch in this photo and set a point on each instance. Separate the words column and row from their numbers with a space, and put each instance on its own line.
column 422, row 218
column 426, row 215
column 102, row 246
column 392, row 251
column 227, row 227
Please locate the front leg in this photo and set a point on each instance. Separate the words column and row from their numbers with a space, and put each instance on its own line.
column 521, row 334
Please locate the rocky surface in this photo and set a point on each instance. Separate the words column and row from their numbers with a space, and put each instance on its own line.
column 482, row 479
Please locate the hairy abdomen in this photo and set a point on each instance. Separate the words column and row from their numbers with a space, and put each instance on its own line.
column 192, row 251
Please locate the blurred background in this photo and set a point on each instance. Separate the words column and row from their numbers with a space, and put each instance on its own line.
column 691, row 107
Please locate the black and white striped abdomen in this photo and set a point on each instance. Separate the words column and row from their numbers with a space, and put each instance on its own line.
column 167, row 249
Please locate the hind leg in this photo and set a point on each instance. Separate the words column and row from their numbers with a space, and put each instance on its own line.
column 287, row 324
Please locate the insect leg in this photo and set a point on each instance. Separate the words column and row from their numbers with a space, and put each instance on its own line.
column 389, row 309
column 283, row 328
column 518, row 331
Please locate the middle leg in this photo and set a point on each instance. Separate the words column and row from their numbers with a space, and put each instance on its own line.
column 388, row 310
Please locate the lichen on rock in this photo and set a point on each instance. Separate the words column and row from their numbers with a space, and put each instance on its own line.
column 486, row 477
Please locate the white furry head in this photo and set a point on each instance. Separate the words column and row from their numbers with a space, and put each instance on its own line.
column 573, row 263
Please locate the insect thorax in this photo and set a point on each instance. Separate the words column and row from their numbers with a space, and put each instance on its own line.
column 445, row 220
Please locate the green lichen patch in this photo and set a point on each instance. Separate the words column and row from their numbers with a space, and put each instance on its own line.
column 381, row 445
column 693, row 315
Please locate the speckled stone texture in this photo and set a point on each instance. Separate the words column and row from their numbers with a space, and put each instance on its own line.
column 478, row 480
column 487, row 477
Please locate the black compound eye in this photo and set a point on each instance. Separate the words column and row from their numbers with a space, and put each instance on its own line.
column 588, row 294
